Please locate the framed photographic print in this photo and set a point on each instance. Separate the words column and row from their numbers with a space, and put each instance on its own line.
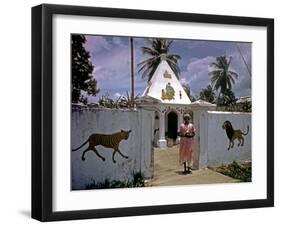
column 146, row 112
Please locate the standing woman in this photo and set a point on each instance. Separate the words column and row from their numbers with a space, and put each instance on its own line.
column 186, row 132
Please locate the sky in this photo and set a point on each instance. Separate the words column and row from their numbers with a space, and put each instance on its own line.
column 111, row 58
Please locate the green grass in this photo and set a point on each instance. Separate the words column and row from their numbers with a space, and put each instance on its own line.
column 240, row 171
column 138, row 181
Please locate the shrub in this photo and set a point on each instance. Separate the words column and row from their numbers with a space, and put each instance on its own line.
column 242, row 171
column 138, row 181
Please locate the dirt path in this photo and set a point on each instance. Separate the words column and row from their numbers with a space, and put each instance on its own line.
column 168, row 171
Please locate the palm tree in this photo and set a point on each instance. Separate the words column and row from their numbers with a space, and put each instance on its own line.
column 158, row 50
column 221, row 77
column 208, row 94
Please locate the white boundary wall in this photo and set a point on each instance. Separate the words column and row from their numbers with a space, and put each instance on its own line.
column 86, row 121
column 214, row 141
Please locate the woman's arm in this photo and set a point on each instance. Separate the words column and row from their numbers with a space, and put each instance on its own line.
column 180, row 132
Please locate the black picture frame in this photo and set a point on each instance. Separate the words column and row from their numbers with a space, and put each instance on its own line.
column 42, row 107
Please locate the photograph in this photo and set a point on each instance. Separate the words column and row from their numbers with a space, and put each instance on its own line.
column 154, row 111
column 142, row 112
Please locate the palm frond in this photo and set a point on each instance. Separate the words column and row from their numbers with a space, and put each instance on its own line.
column 232, row 79
column 158, row 46
column 214, row 64
column 149, row 51
column 169, row 44
column 215, row 72
column 234, row 74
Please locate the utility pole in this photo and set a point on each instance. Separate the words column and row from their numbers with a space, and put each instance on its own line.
column 132, row 74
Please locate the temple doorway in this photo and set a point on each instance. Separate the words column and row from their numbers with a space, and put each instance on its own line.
column 172, row 125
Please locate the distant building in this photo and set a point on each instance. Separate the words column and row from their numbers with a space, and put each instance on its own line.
column 244, row 99
column 165, row 95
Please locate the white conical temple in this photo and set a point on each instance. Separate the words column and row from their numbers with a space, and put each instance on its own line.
column 165, row 87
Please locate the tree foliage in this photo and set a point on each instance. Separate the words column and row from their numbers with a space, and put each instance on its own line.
column 120, row 102
column 208, row 94
column 227, row 98
column 157, row 49
column 222, row 77
column 245, row 107
column 82, row 68
column 187, row 90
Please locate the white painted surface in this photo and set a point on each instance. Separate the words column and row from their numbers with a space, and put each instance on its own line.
column 86, row 121
column 214, row 141
column 198, row 108
column 66, row 200
column 162, row 143
column 159, row 82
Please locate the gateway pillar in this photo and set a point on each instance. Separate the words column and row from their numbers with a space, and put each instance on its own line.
column 162, row 143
